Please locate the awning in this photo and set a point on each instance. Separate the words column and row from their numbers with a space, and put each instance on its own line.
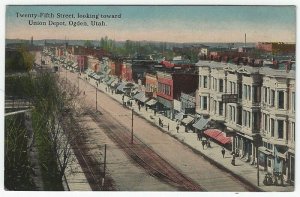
column 141, row 97
column 151, row 102
column 121, row 87
column 187, row 120
column 110, row 81
column 218, row 135
column 179, row 116
column 201, row 123
column 166, row 103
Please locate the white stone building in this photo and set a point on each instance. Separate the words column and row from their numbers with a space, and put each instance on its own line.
column 265, row 107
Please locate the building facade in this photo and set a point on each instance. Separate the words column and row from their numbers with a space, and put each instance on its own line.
column 265, row 107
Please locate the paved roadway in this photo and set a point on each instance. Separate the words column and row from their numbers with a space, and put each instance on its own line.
column 185, row 160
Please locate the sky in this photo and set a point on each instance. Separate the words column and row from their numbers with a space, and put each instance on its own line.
column 160, row 23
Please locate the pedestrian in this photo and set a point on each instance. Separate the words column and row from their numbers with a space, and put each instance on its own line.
column 83, row 92
column 223, row 152
column 139, row 107
column 177, row 128
column 154, row 112
column 168, row 126
column 203, row 144
column 199, row 135
column 159, row 121
column 105, row 89
column 146, row 108
column 208, row 143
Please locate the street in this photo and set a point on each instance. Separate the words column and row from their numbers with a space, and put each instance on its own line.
column 182, row 158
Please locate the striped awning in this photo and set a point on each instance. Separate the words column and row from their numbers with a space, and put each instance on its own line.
column 201, row 123
column 218, row 136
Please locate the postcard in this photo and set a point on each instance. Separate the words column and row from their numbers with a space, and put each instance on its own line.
column 150, row 98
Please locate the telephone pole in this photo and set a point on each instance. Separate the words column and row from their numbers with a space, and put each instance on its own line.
column 132, row 125
column 96, row 97
column 104, row 167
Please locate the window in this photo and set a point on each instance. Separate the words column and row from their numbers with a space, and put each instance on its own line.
column 200, row 78
column 265, row 122
column 244, row 91
column 204, row 102
column 248, row 114
column 205, row 81
column 272, row 98
column 200, row 97
column 233, row 88
column 220, row 108
column 265, row 95
column 233, row 114
column 249, row 93
column 272, row 127
column 280, row 129
column 293, row 101
column 221, row 85
column 280, row 99
column 216, row 84
column 215, row 106
column 244, row 118
column 269, row 96
column 293, row 131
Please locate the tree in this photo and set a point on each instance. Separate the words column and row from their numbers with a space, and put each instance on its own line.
column 54, row 107
column 88, row 44
column 19, row 59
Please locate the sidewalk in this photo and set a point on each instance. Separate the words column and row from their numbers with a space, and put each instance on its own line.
column 243, row 170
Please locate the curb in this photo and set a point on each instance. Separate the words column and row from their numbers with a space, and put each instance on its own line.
column 213, row 162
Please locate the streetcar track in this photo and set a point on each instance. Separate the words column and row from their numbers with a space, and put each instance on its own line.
column 144, row 156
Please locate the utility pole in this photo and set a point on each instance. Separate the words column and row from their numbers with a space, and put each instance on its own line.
column 132, row 125
column 96, row 97
column 104, row 168
column 257, row 165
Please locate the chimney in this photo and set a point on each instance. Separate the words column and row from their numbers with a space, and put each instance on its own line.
column 245, row 40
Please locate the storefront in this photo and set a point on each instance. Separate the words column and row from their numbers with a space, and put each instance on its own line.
column 264, row 158
column 165, row 107
column 244, row 147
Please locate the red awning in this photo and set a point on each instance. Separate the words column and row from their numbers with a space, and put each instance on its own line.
column 218, row 135
column 167, row 64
